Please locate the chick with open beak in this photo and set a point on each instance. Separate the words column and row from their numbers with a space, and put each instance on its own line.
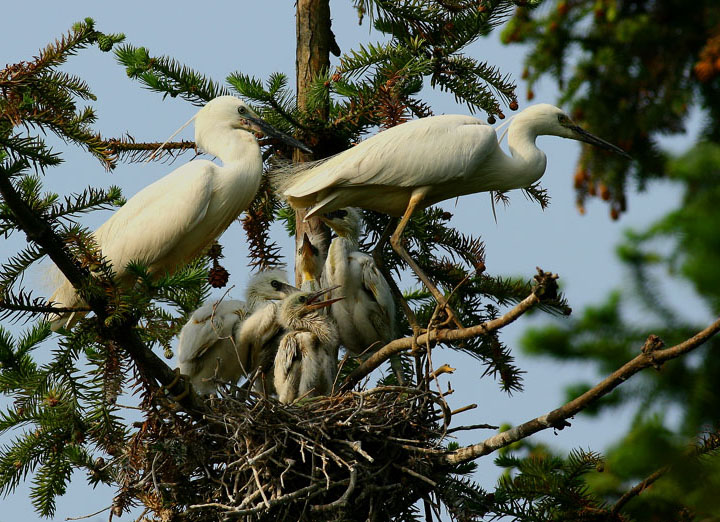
column 306, row 359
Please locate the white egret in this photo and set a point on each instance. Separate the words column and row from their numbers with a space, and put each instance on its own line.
column 173, row 220
column 306, row 359
column 425, row 161
column 366, row 315
column 258, row 336
column 207, row 345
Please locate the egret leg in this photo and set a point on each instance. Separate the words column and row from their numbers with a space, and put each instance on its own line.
column 171, row 385
column 397, row 294
column 396, row 242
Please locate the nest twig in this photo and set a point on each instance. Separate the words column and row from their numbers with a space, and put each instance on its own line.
column 355, row 456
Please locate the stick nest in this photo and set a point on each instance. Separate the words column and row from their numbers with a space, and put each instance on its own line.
column 363, row 455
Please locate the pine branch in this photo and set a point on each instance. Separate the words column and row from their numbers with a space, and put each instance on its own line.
column 167, row 76
column 447, row 336
column 40, row 232
column 652, row 355
column 127, row 149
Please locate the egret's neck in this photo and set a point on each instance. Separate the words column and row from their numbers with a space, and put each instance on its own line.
column 231, row 145
column 317, row 324
column 254, row 301
column 527, row 164
column 350, row 241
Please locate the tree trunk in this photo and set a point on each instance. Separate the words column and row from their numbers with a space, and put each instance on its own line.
column 312, row 57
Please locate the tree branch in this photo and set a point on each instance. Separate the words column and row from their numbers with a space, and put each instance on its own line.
column 639, row 488
column 652, row 355
column 40, row 232
column 437, row 336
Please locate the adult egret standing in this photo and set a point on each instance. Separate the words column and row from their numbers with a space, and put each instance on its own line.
column 207, row 345
column 425, row 161
column 306, row 359
column 366, row 315
column 173, row 220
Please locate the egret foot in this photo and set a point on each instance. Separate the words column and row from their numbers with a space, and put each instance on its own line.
column 186, row 387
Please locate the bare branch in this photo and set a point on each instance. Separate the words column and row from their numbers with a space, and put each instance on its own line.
column 437, row 336
column 639, row 488
column 652, row 355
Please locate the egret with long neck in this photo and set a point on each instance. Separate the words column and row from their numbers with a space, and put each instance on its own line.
column 426, row 161
column 175, row 219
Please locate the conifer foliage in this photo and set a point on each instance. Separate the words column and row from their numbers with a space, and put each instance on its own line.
column 363, row 452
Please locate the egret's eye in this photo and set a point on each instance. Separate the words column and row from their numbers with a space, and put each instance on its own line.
column 302, row 298
column 275, row 284
column 337, row 214
column 242, row 109
column 562, row 118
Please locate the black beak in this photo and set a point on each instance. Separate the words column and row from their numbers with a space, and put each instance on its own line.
column 583, row 135
column 310, row 303
column 269, row 130
column 288, row 289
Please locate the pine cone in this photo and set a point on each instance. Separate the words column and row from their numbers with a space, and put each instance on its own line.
column 218, row 276
column 215, row 251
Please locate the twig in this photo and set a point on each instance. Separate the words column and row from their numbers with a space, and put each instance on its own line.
column 416, row 475
column 343, row 500
column 474, row 427
column 464, row 409
column 260, row 487
column 357, row 446
column 639, row 488
column 649, row 356
column 90, row 515
column 445, row 368
column 437, row 336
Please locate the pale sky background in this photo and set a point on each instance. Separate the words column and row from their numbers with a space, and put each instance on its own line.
column 258, row 38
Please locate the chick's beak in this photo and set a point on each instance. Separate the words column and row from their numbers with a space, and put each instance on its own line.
column 583, row 135
column 312, row 305
column 261, row 126
column 288, row 289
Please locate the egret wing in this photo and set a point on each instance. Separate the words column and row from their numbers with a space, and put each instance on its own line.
column 374, row 283
column 421, row 152
column 208, row 324
column 288, row 352
column 152, row 222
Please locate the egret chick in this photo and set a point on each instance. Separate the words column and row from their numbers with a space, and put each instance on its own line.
column 306, row 359
column 426, row 161
column 366, row 315
column 207, row 345
column 173, row 220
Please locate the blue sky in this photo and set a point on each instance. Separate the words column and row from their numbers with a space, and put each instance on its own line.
column 257, row 38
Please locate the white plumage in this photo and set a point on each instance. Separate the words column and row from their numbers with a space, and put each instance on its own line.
column 173, row 220
column 306, row 359
column 434, row 158
column 208, row 343
column 425, row 161
column 366, row 316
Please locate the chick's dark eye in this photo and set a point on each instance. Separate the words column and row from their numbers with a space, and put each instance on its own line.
column 242, row 110
column 275, row 284
column 302, row 298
